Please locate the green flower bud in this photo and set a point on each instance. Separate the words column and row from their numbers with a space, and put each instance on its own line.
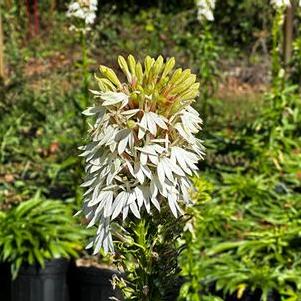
column 131, row 124
column 186, row 84
column 148, row 63
column 175, row 76
column 168, row 67
column 132, row 65
column 158, row 66
column 110, row 74
column 190, row 93
column 139, row 72
column 124, row 67
column 102, row 85
column 108, row 83
column 185, row 74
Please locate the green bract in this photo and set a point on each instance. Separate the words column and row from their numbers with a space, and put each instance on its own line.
column 143, row 146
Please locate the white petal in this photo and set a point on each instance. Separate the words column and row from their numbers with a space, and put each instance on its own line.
column 153, row 159
column 141, row 133
column 146, row 171
column 155, row 203
column 178, row 156
column 139, row 195
column 112, row 98
column 130, row 113
column 88, row 183
column 139, row 173
column 134, row 209
column 159, row 121
column 118, row 204
column 167, row 169
column 122, row 145
column 161, row 173
column 176, row 169
column 172, row 200
column 108, row 205
column 125, row 212
column 151, row 125
column 92, row 111
column 143, row 158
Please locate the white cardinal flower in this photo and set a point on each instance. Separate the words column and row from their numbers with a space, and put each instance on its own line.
column 83, row 9
column 143, row 146
column 205, row 9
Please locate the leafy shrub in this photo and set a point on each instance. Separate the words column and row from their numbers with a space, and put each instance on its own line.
column 247, row 238
column 38, row 230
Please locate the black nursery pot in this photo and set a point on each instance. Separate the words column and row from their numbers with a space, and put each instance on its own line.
column 173, row 292
column 36, row 284
column 5, row 282
column 91, row 283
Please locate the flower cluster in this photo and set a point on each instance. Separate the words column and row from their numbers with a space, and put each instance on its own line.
column 83, row 9
column 282, row 3
column 143, row 146
column 205, row 9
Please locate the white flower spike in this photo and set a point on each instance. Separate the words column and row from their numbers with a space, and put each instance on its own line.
column 280, row 3
column 143, row 146
column 205, row 9
column 83, row 9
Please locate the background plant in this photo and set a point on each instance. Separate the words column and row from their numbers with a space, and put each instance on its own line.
column 38, row 230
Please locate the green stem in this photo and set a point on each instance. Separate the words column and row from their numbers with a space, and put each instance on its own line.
column 85, row 70
column 277, row 37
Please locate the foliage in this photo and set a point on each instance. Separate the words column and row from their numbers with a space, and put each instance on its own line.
column 38, row 146
column 147, row 251
column 295, row 64
column 190, row 267
column 247, row 237
column 38, row 230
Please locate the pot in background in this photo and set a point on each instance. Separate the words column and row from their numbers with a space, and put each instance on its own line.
column 5, row 280
column 91, row 283
column 34, row 283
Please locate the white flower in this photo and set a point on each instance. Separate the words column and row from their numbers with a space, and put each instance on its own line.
column 142, row 149
column 205, row 9
column 280, row 3
column 83, row 9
